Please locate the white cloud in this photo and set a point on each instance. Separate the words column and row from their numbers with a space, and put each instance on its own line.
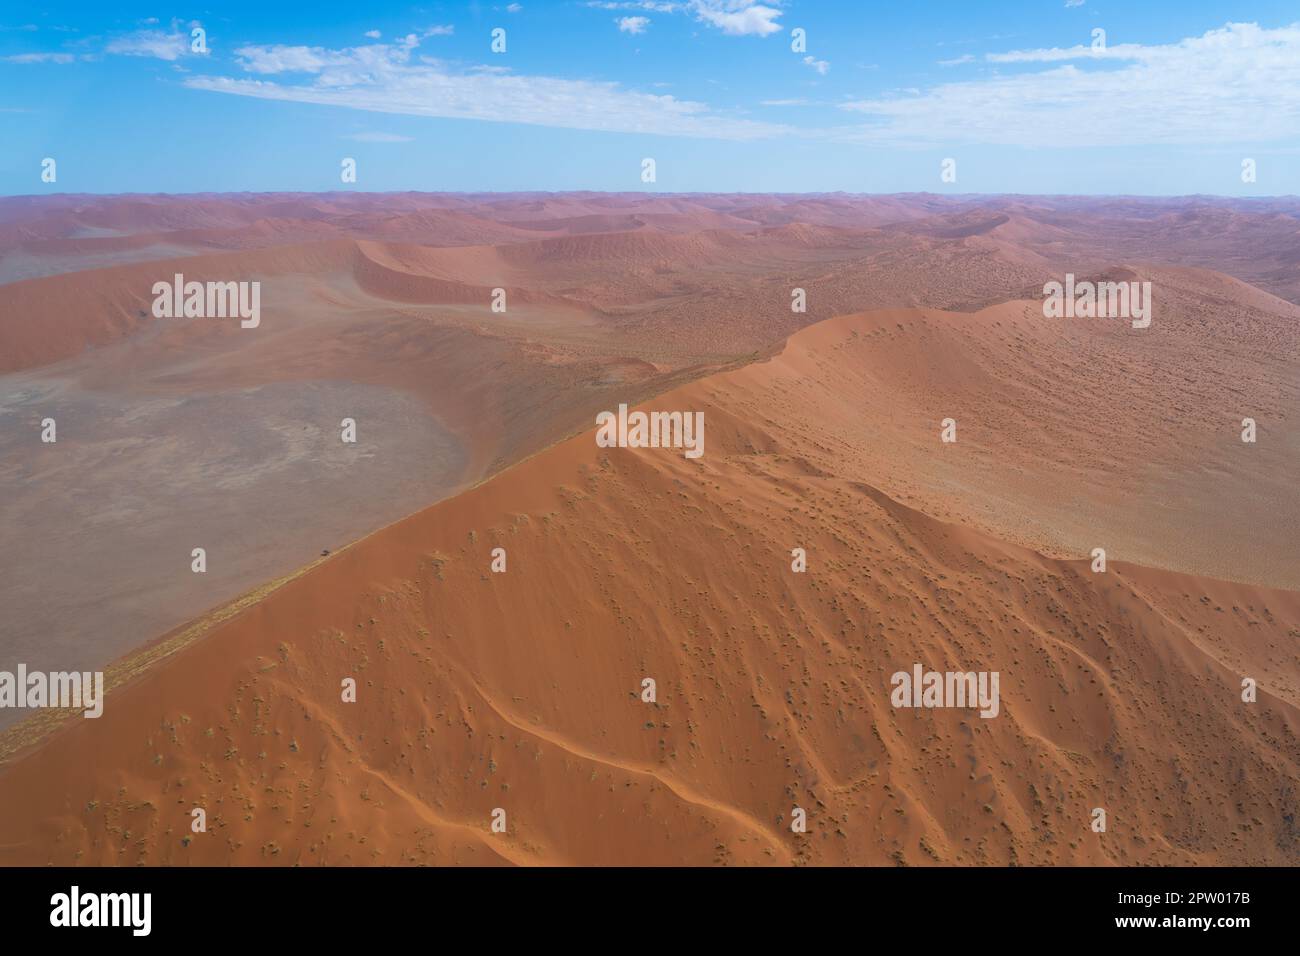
column 513, row 8
column 388, row 78
column 1125, row 51
column 653, row 6
column 372, row 34
column 737, row 17
column 1236, row 84
column 160, row 44
column 39, row 58
column 283, row 59
column 733, row 17
column 442, row 31
column 958, row 61
column 821, row 66
column 633, row 24
column 1074, row 3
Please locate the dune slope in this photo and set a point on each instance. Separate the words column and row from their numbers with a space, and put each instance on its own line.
column 521, row 691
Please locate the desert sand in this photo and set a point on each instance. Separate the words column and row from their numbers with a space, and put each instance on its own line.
column 522, row 690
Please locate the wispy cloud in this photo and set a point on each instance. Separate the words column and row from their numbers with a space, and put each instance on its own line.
column 1239, row 83
column 302, row 59
column 389, row 78
column 160, row 44
column 39, row 58
column 733, row 17
column 1236, row 84
column 652, row 6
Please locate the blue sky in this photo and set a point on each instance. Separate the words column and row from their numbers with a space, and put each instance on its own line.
column 1017, row 93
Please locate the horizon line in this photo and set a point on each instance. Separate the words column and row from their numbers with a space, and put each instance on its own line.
column 648, row 194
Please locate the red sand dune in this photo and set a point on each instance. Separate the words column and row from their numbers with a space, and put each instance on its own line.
column 520, row 690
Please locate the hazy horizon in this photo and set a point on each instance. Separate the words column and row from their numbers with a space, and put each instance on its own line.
column 659, row 195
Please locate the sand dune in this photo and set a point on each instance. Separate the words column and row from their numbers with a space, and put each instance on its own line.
column 521, row 690
column 1075, row 434
column 1256, row 240
column 48, row 319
